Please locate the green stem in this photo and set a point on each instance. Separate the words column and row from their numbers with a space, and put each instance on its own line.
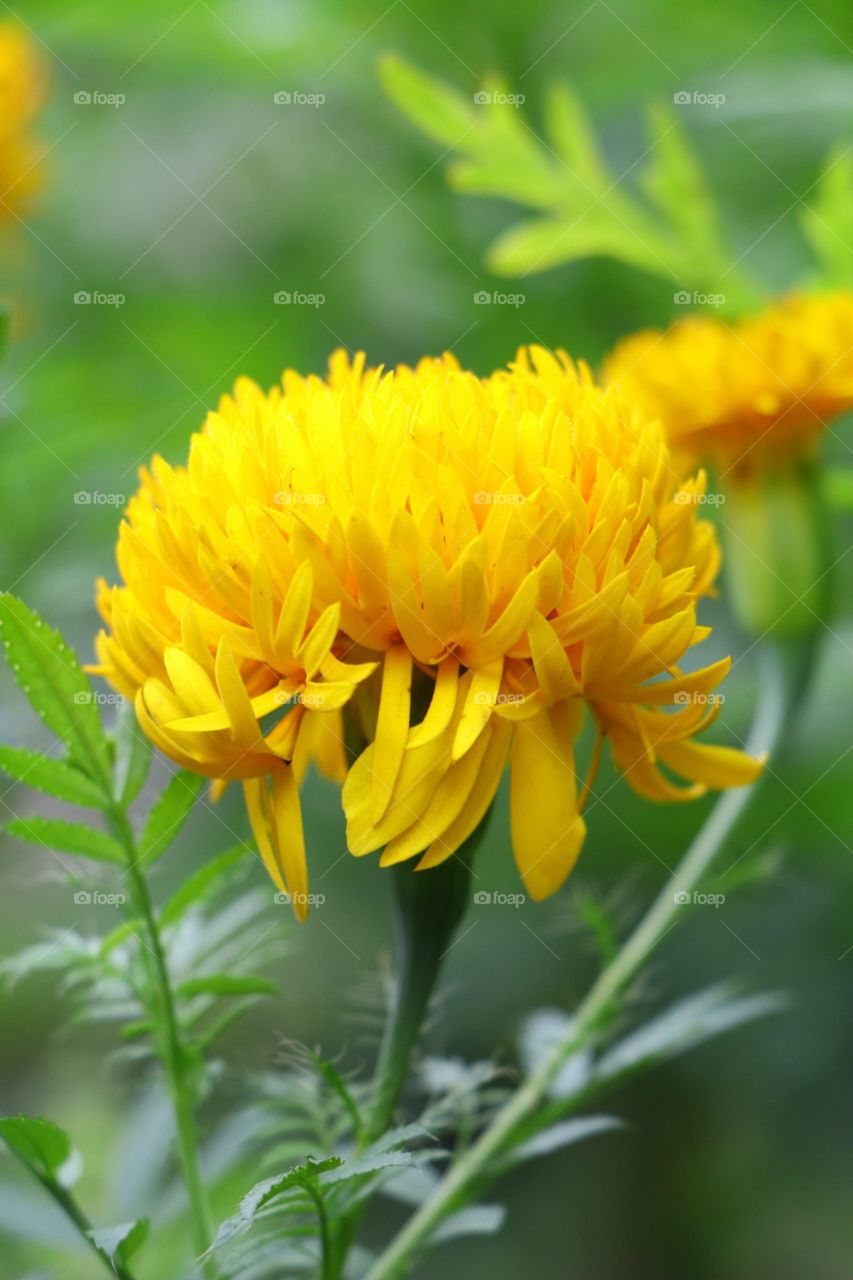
column 73, row 1211
column 428, row 909
column 172, row 1051
column 472, row 1170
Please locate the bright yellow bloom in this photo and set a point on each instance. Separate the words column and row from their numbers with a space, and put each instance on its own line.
column 22, row 89
column 460, row 569
column 744, row 395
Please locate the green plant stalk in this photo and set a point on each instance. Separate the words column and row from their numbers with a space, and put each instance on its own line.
column 72, row 1210
column 172, row 1051
column 428, row 908
column 472, row 1170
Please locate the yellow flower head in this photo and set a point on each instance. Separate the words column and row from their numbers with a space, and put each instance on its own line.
column 22, row 89
column 744, row 395
column 453, row 571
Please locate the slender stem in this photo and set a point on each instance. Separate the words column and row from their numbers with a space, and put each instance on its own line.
column 73, row 1211
column 172, row 1050
column 471, row 1171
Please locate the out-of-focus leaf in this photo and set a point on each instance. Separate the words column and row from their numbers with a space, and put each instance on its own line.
column 169, row 813
column 827, row 219
column 541, row 243
column 70, row 837
column 4, row 330
column 563, row 1134
column 53, row 680
column 477, row 1220
column 203, row 883
column 371, row 1161
column 838, row 487
column 540, row 1033
column 439, row 111
column 120, row 1243
column 132, row 756
column 53, row 777
column 43, row 1146
column 225, row 984
column 689, row 1023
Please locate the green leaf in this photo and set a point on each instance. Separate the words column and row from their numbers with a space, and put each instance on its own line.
column 564, row 1134
column 70, row 837
column 119, row 1244
column 53, row 777
column 226, row 984
column 827, row 219
column 370, row 1162
column 45, row 1148
column 51, row 677
column 430, row 104
column 132, row 756
column 838, row 487
column 262, row 1193
column 541, row 243
column 169, row 814
column 476, row 1220
column 338, row 1086
column 204, row 882
column 574, row 140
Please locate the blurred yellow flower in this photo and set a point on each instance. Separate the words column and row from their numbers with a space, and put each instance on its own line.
column 744, row 395
column 22, row 91
column 454, row 572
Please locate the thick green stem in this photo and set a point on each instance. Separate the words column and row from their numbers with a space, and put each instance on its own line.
column 172, row 1051
column 73, row 1211
column 476, row 1166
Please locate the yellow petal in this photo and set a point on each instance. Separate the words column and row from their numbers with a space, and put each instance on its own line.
column 547, row 830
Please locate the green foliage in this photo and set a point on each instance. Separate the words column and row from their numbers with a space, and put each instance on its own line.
column 53, row 777
column 587, row 210
column 132, row 756
column 120, row 1243
column 169, row 814
column 827, row 219
column 70, row 837
column 44, row 1147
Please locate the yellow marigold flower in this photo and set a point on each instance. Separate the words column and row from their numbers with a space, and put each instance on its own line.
column 22, row 90
column 742, row 395
column 459, row 568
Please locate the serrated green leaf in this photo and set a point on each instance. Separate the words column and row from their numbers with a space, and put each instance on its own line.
column 539, row 244
column 827, row 219
column 53, row 777
column 226, row 984
column 262, row 1193
column 170, row 812
column 204, row 882
column 52, row 679
column 337, row 1084
column 370, row 1162
column 69, row 837
column 573, row 138
column 431, row 105
column 119, row 1244
column 132, row 756
column 43, row 1146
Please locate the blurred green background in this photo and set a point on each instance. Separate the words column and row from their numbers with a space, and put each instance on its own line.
column 198, row 199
